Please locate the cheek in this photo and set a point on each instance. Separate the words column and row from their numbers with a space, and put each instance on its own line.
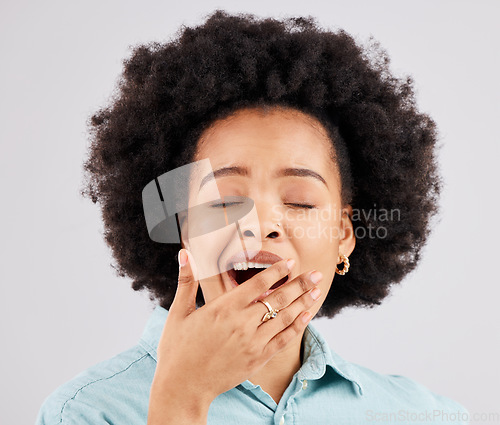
column 207, row 249
column 316, row 228
column 316, row 240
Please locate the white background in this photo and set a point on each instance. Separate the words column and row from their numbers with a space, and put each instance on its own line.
column 63, row 309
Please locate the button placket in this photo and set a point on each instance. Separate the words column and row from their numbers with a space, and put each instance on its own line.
column 282, row 420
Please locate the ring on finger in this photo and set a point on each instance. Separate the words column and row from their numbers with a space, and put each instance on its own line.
column 271, row 313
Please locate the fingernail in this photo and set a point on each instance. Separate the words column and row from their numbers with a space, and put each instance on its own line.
column 315, row 293
column 183, row 258
column 306, row 316
column 290, row 264
column 315, row 276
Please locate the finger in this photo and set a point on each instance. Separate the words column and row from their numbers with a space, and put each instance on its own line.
column 184, row 302
column 248, row 291
column 280, row 340
column 286, row 294
column 286, row 318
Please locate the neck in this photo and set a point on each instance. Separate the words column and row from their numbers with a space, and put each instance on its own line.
column 275, row 376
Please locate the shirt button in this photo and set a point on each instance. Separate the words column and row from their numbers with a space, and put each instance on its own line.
column 304, row 384
column 282, row 420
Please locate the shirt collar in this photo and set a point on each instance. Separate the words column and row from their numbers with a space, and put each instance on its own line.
column 317, row 353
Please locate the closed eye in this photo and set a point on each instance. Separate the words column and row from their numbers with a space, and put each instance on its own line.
column 307, row 206
column 225, row 204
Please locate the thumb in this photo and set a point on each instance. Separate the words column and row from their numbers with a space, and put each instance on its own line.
column 184, row 302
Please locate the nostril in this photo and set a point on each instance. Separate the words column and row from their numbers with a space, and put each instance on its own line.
column 247, row 233
column 273, row 235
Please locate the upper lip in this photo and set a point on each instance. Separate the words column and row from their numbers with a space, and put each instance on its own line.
column 263, row 257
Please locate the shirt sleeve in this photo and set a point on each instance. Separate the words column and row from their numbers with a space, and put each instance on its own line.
column 112, row 392
column 69, row 412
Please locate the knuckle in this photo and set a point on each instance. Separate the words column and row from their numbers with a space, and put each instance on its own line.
column 252, row 363
column 260, row 283
column 253, row 351
column 280, row 300
column 280, row 341
column 297, row 326
column 282, row 268
column 184, row 280
column 303, row 283
column 307, row 300
column 286, row 318
column 239, row 333
column 219, row 312
column 216, row 316
column 190, row 310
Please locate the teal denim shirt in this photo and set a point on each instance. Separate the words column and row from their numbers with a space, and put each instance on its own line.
column 325, row 390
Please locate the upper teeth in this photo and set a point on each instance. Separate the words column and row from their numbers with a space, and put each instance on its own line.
column 250, row 265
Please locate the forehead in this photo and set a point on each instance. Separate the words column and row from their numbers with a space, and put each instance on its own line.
column 255, row 134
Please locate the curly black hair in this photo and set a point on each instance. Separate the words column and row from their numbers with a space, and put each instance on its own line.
column 169, row 93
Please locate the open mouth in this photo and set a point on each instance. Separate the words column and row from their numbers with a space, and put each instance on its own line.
column 240, row 276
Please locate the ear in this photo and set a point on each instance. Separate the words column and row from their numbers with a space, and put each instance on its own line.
column 347, row 240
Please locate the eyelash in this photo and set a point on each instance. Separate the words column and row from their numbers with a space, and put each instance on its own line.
column 306, row 206
column 228, row 204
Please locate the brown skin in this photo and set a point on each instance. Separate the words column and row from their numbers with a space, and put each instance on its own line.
column 238, row 346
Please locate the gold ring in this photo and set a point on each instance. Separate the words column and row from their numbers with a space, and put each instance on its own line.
column 271, row 314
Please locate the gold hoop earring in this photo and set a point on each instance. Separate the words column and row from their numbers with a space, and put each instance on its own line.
column 345, row 269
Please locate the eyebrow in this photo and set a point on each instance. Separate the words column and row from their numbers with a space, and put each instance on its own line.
column 242, row 171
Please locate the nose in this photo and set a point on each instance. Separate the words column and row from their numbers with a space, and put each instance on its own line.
column 272, row 234
column 264, row 224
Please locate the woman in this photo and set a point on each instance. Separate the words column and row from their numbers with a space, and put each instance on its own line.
column 299, row 178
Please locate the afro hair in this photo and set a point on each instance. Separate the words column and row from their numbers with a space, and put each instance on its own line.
column 169, row 93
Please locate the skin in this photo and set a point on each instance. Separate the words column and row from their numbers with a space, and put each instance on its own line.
column 225, row 339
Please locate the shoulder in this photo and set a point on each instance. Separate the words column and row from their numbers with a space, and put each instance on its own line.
column 116, row 387
column 386, row 398
column 410, row 399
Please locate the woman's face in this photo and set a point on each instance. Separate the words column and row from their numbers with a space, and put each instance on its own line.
column 281, row 161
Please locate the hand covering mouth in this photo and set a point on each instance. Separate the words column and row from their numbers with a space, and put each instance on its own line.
column 245, row 265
